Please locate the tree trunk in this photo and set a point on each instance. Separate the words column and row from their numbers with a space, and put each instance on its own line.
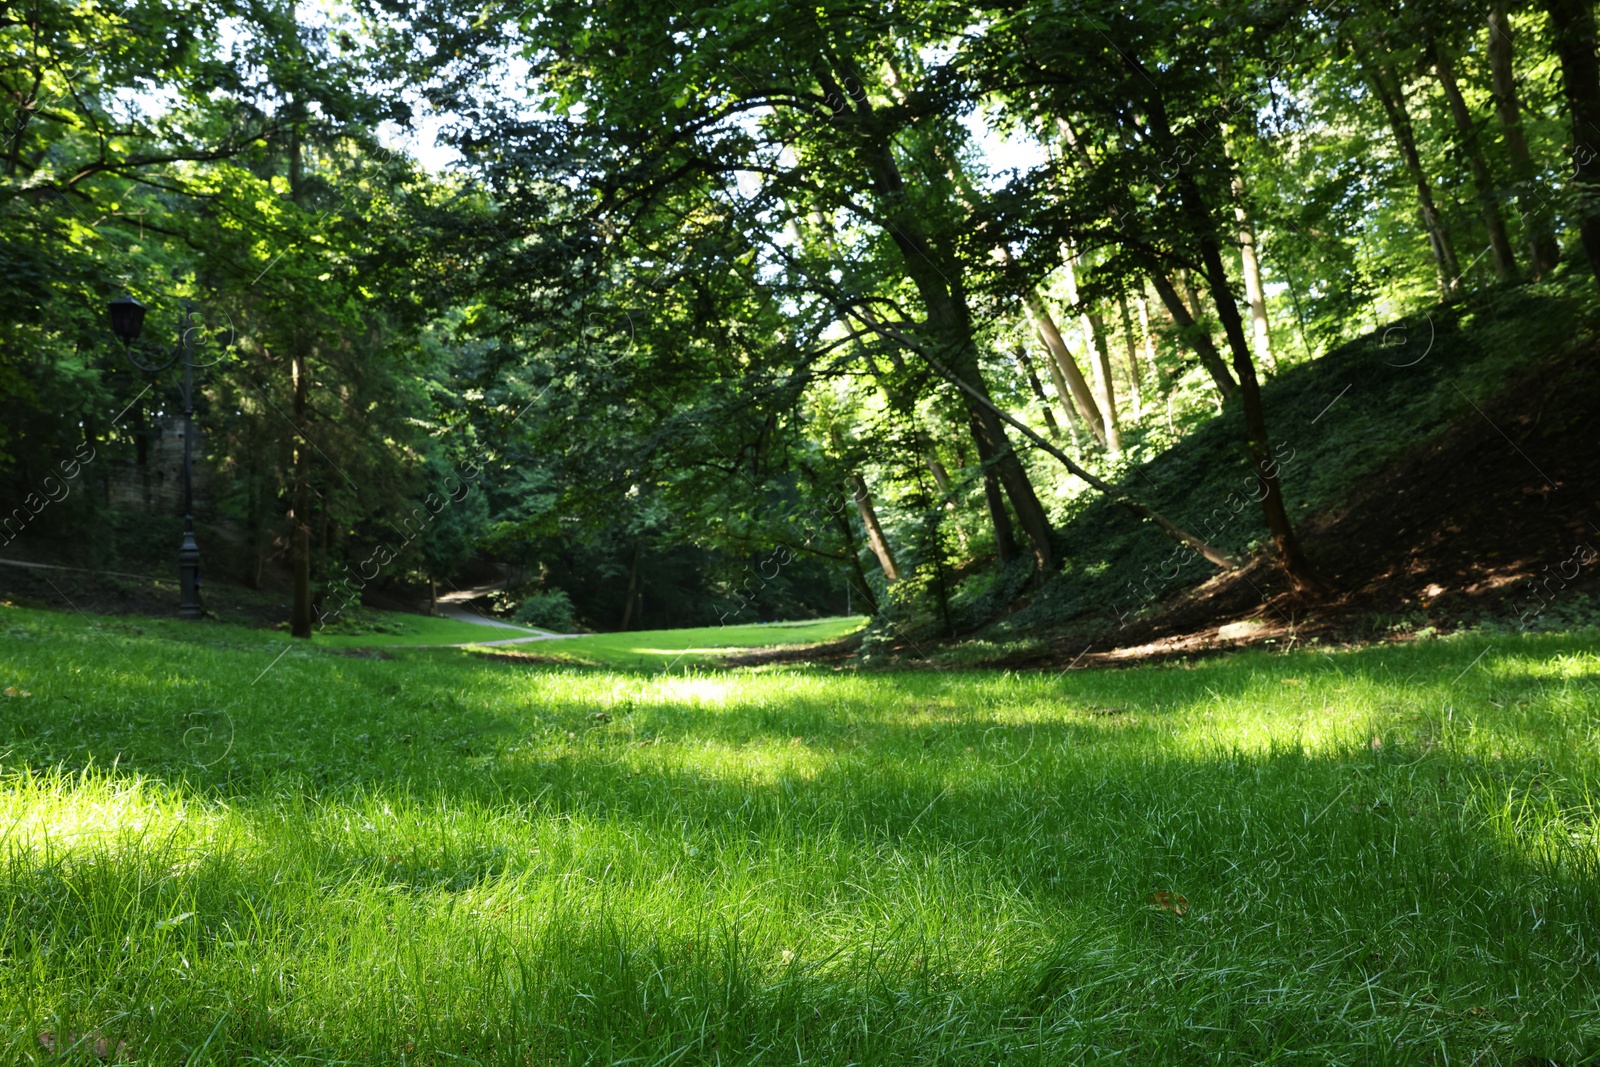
column 1064, row 395
column 1072, row 418
column 1034, row 384
column 1254, row 294
column 982, row 400
column 861, row 585
column 1295, row 564
column 300, row 542
column 1095, row 335
column 1572, row 25
column 1392, row 98
column 1013, row 476
column 1543, row 251
column 1005, row 540
column 633, row 588
column 1196, row 306
column 869, row 519
column 1135, row 393
column 1505, row 261
column 1296, row 567
column 941, row 478
column 989, row 431
column 1064, row 369
column 1197, row 335
column 1094, row 326
column 948, row 317
column 949, row 320
column 1143, row 304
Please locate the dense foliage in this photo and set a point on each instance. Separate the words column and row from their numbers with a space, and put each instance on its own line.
column 745, row 310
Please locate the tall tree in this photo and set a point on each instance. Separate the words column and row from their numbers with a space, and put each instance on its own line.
column 1254, row 291
column 1505, row 260
column 1537, row 219
column 1094, row 335
column 1573, row 29
column 1195, row 333
column 1069, row 379
column 1389, row 88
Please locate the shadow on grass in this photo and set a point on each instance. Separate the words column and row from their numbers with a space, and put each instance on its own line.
column 497, row 864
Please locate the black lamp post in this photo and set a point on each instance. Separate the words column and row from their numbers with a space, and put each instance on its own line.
column 127, row 320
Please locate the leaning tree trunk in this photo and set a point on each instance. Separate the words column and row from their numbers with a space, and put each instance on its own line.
column 941, row 478
column 1026, row 366
column 1013, row 476
column 989, row 432
column 949, row 320
column 1094, row 333
column 1537, row 219
column 1196, row 306
column 1195, row 333
column 300, row 542
column 869, row 519
column 1069, row 380
column 1572, row 24
column 861, row 585
column 1064, row 395
column 1505, row 261
column 983, row 400
column 1393, row 100
column 1296, row 567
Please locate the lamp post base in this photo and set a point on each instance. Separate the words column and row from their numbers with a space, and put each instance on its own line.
column 189, row 574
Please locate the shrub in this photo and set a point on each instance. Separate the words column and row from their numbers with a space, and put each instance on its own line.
column 547, row 609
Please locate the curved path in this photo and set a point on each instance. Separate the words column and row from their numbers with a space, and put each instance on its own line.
column 449, row 610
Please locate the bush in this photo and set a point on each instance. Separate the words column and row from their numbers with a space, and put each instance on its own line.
column 547, row 609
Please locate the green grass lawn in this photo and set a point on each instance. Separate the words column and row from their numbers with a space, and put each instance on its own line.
column 223, row 850
column 669, row 649
column 392, row 628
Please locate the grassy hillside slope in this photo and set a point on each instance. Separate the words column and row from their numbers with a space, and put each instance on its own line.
column 1338, row 423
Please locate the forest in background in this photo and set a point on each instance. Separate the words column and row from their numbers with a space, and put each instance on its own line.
column 718, row 313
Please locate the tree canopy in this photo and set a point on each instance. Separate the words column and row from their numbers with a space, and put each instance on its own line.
column 747, row 310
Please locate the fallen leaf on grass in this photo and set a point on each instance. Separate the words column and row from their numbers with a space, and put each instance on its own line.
column 13, row 691
column 1290, row 681
column 1176, row 903
column 96, row 1042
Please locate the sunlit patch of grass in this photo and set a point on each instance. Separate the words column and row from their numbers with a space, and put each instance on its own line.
column 1385, row 856
column 668, row 649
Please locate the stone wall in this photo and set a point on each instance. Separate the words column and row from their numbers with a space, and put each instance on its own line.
column 156, row 486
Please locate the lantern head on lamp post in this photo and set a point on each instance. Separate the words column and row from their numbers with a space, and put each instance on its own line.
column 127, row 321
